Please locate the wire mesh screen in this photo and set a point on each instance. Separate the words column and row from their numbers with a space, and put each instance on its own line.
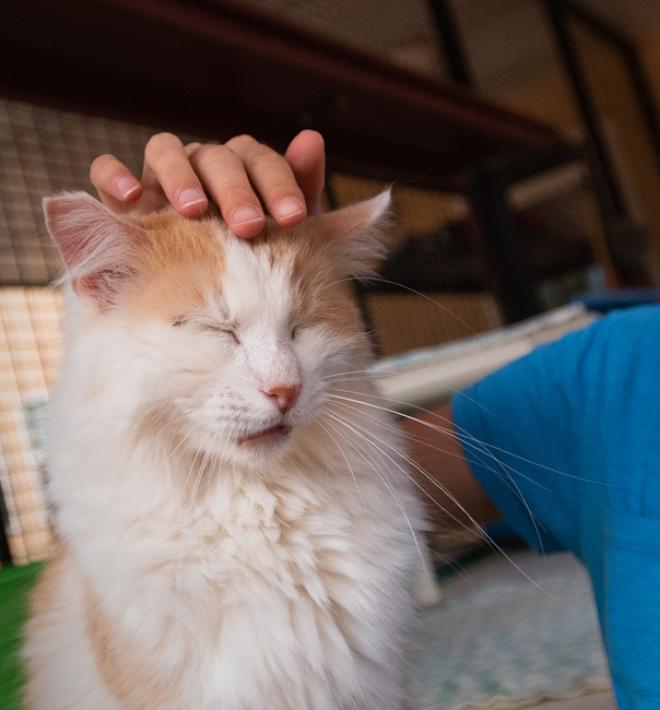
column 43, row 151
column 399, row 32
column 431, row 289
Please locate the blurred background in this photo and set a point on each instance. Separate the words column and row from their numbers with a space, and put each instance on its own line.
column 522, row 137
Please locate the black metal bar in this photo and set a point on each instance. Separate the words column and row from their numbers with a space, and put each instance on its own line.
column 597, row 24
column 500, row 246
column 5, row 551
column 451, row 44
column 626, row 47
column 557, row 11
column 645, row 97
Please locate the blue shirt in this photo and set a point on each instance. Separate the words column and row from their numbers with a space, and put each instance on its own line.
column 566, row 442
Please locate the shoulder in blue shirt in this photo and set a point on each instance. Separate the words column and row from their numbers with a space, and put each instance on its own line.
column 566, row 441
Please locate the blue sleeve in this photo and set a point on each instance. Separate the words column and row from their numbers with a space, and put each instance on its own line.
column 566, row 442
column 552, row 430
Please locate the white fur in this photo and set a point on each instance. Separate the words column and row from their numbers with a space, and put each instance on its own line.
column 279, row 579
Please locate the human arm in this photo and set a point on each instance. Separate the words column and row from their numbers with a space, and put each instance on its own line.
column 443, row 473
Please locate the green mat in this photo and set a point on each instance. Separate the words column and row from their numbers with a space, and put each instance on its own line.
column 15, row 584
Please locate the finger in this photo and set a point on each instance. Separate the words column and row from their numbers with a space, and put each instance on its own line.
column 224, row 177
column 306, row 156
column 190, row 148
column 166, row 158
column 273, row 179
column 117, row 187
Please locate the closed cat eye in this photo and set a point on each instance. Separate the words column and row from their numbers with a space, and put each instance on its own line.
column 181, row 320
column 226, row 331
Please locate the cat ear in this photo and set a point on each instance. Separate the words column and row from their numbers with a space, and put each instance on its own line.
column 356, row 234
column 95, row 244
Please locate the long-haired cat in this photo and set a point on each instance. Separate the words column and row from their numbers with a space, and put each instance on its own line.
column 234, row 530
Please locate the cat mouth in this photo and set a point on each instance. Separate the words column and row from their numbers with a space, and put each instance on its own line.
column 271, row 435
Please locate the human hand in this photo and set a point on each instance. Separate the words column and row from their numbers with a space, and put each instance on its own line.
column 239, row 176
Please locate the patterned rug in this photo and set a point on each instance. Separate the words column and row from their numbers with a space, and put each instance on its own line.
column 501, row 641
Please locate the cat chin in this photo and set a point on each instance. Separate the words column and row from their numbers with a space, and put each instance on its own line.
column 263, row 447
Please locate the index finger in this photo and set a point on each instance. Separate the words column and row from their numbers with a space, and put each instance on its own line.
column 167, row 163
column 116, row 186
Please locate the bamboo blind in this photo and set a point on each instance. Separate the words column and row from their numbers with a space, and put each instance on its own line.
column 30, row 347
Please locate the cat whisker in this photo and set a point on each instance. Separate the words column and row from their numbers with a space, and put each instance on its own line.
column 478, row 527
column 449, row 432
column 505, row 468
column 412, row 437
column 367, row 374
column 426, row 297
column 506, row 480
column 366, row 436
column 462, row 432
column 348, row 463
column 466, row 440
column 389, row 488
column 444, row 558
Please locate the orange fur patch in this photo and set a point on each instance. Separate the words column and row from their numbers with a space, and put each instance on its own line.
column 318, row 293
column 131, row 675
column 178, row 262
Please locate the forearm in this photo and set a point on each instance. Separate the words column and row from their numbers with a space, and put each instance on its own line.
column 453, row 494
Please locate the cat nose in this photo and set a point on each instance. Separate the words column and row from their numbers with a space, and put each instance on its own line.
column 283, row 396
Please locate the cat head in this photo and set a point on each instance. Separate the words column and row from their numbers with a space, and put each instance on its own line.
column 219, row 345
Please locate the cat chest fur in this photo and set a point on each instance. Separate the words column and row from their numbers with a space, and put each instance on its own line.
column 285, row 596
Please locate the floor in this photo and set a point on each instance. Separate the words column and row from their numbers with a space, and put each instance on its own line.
column 596, row 701
column 499, row 568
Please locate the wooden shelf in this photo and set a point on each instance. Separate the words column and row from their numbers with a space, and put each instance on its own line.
column 216, row 68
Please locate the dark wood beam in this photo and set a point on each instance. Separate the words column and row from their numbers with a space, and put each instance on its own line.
column 217, row 68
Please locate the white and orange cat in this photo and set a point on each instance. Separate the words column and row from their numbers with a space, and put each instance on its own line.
column 232, row 534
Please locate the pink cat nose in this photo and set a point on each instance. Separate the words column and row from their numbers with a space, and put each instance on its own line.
column 284, row 396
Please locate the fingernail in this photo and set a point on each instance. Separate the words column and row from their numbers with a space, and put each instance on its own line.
column 288, row 207
column 191, row 196
column 126, row 186
column 245, row 215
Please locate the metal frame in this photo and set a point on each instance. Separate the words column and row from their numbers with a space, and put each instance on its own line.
column 497, row 238
column 561, row 13
column 559, row 17
column 626, row 48
column 451, row 45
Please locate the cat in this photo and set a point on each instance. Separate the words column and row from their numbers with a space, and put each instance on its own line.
column 235, row 530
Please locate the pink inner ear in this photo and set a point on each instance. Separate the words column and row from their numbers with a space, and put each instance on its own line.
column 86, row 232
column 356, row 234
column 101, row 286
column 66, row 239
column 96, row 245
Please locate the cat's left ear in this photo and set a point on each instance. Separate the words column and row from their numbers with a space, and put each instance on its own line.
column 96, row 245
column 356, row 235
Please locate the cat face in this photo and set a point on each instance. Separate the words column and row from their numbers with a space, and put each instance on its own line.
column 229, row 345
